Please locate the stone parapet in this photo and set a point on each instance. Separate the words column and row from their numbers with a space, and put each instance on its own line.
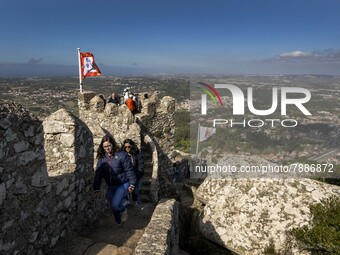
column 161, row 236
column 45, row 179
column 46, row 170
column 106, row 118
column 157, row 117
column 154, row 186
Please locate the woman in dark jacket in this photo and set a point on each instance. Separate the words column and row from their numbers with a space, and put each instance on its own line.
column 117, row 171
column 138, row 166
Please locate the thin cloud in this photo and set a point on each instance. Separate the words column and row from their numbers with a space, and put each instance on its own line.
column 325, row 62
column 34, row 61
column 295, row 54
column 327, row 55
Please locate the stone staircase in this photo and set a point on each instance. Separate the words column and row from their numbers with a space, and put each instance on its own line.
column 146, row 179
column 104, row 237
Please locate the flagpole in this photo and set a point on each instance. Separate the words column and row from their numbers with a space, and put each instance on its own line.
column 80, row 80
column 198, row 139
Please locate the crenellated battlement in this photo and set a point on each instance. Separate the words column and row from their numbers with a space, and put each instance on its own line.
column 46, row 168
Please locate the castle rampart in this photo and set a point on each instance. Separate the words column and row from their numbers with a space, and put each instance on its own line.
column 46, row 168
column 161, row 236
column 46, row 176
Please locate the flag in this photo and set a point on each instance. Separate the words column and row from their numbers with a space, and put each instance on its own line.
column 88, row 66
column 206, row 132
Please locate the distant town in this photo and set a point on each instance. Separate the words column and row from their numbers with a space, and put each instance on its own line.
column 46, row 95
column 316, row 138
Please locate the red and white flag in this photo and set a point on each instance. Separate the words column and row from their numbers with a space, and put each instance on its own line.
column 206, row 132
column 88, row 66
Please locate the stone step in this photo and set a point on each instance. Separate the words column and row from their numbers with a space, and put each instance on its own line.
column 145, row 190
column 147, row 158
column 107, row 249
column 104, row 237
column 132, row 238
column 145, row 198
column 146, row 179
column 148, row 165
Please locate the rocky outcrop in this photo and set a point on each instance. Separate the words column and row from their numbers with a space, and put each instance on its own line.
column 247, row 215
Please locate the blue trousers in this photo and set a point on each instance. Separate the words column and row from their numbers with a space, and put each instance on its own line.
column 116, row 195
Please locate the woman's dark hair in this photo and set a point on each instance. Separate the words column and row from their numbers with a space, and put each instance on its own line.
column 107, row 138
column 134, row 148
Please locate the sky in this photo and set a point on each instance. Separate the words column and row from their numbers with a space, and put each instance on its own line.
column 134, row 37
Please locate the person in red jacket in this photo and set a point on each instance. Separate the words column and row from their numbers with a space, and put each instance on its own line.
column 131, row 104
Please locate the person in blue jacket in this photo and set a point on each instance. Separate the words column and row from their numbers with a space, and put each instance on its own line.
column 117, row 171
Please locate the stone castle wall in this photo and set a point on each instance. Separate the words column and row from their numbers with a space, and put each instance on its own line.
column 102, row 118
column 46, row 169
column 157, row 117
column 161, row 236
column 46, row 176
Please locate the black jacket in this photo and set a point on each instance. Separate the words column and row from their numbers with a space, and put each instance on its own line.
column 138, row 164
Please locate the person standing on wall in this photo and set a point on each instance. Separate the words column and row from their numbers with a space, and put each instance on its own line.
column 117, row 171
column 138, row 165
column 126, row 93
column 131, row 104
column 114, row 99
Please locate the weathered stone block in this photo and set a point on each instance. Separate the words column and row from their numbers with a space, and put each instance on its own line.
column 97, row 104
column 10, row 135
column 67, row 140
column 86, row 96
column 5, row 123
column 3, row 192
column 54, row 127
column 21, row 146
column 62, row 185
column 111, row 110
column 7, row 224
column 2, row 152
column 40, row 177
column 20, row 187
column 4, row 247
column 168, row 104
column 68, row 202
column 33, row 237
